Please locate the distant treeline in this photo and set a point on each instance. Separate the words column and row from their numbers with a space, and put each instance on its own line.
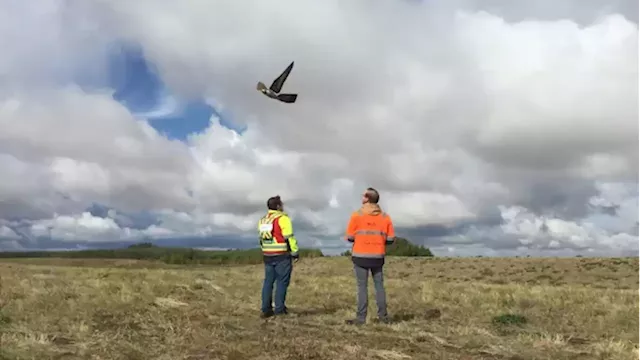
column 177, row 255
column 403, row 247
column 169, row 255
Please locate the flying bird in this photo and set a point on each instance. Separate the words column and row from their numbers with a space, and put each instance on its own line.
column 274, row 90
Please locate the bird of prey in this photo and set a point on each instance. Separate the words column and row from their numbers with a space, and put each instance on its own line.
column 274, row 90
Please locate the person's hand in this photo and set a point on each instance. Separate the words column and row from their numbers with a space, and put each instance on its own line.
column 296, row 259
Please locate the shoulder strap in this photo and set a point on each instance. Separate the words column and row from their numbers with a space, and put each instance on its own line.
column 270, row 217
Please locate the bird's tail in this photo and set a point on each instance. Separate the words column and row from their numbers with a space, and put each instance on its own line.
column 288, row 98
column 261, row 86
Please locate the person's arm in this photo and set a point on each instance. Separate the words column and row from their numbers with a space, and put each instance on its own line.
column 352, row 227
column 287, row 232
column 390, row 231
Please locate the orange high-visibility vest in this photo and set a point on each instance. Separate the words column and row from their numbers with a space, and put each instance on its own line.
column 370, row 234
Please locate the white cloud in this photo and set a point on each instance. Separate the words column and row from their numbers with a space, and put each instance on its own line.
column 7, row 233
column 415, row 209
column 78, row 227
column 539, row 232
column 451, row 114
column 89, row 148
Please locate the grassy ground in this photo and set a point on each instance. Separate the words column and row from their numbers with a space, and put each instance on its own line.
column 444, row 309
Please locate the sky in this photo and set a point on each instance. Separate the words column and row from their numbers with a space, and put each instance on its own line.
column 494, row 128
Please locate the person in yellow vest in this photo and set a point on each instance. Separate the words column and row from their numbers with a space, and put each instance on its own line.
column 279, row 249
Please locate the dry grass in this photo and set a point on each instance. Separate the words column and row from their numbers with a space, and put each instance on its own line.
column 444, row 309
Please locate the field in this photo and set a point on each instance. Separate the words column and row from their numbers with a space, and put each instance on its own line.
column 444, row 308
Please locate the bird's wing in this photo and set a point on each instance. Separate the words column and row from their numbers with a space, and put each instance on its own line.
column 277, row 83
column 261, row 86
column 288, row 98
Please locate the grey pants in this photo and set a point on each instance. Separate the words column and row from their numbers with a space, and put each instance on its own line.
column 362, row 279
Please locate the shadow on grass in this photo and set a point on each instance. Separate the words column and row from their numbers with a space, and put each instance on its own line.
column 4, row 320
column 313, row 312
column 429, row 314
column 5, row 355
column 400, row 317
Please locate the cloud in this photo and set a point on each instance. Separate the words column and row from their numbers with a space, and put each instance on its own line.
column 88, row 148
column 496, row 128
column 166, row 106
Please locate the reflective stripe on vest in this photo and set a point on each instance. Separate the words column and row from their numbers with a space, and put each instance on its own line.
column 370, row 243
column 371, row 232
column 268, row 241
column 275, row 247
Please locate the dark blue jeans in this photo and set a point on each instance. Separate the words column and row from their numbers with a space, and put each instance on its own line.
column 278, row 271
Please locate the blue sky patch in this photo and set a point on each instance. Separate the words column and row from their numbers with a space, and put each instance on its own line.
column 138, row 221
column 138, row 86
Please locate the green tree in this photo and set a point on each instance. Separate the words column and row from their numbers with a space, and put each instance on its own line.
column 403, row 247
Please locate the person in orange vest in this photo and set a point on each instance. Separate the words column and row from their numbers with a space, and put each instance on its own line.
column 279, row 249
column 370, row 230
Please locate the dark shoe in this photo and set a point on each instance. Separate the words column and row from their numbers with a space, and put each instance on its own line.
column 284, row 312
column 267, row 314
column 384, row 320
column 354, row 322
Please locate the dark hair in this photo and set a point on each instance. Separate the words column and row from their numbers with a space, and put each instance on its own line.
column 274, row 202
column 372, row 195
